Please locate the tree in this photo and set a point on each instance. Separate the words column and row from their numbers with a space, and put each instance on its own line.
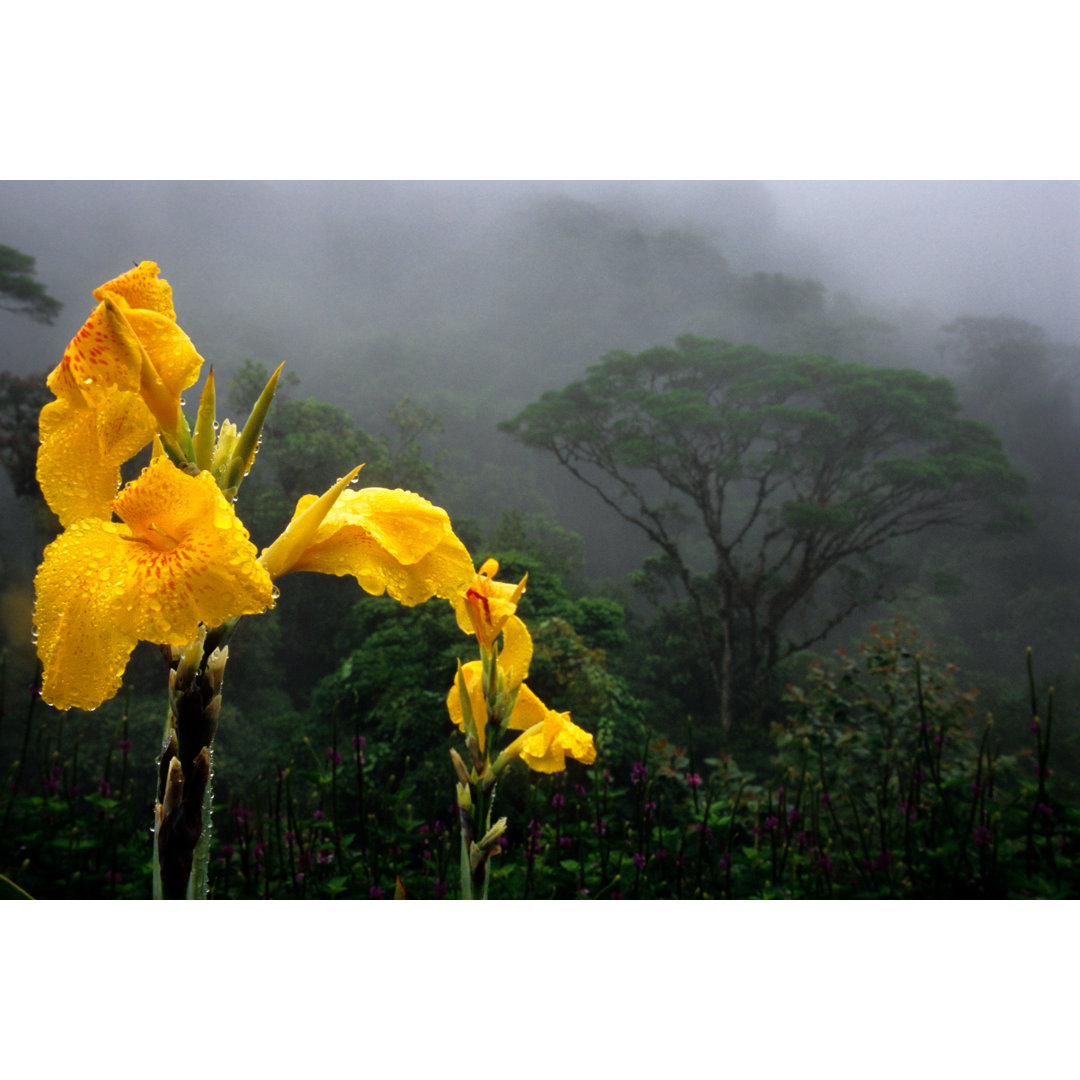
column 21, row 397
column 1010, row 375
column 793, row 471
column 21, row 400
column 20, row 292
column 1009, row 378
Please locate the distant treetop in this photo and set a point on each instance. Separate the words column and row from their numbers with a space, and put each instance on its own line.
column 20, row 292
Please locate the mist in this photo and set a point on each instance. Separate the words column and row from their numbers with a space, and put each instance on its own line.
column 473, row 298
column 910, row 363
column 303, row 272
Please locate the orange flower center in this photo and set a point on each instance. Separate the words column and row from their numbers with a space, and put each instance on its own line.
column 154, row 537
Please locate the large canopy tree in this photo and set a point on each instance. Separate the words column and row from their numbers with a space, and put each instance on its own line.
column 794, row 470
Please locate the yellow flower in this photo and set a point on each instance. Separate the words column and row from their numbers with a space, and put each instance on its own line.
column 82, row 449
column 486, row 605
column 545, row 747
column 119, row 381
column 512, row 667
column 178, row 557
column 391, row 541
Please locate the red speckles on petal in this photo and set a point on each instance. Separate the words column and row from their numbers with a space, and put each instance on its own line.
column 142, row 288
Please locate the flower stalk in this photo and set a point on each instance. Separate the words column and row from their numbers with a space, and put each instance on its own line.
column 488, row 698
column 178, row 567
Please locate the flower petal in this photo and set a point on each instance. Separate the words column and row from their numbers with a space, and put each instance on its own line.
column 101, row 356
column 180, row 558
column 486, row 604
column 529, row 710
column 82, row 648
column 189, row 559
column 170, row 350
column 141, row 288
column 472, row 674
column 82, row 449
column 546, row 748
column 517, row 650
column 390, row 541
column 124, row 352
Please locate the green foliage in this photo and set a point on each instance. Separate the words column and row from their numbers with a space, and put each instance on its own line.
column 901, row 792
column 20, row 292
column 21, row 400
column 399, row 665
column 772, row 298
column 311, row 440
column 881, row 785
column 555, row 548
column 792, row 469
column 248, row 382
column 391, row 684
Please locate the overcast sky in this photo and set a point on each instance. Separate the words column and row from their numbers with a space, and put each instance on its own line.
column 252, row 261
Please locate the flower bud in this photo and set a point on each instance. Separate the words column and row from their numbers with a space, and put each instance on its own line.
column 459, row 766
column 492, row 835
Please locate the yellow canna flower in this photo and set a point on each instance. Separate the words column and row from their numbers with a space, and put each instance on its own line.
column 142, row 288
column 82, row 449
column 545, row 747
column 119, row 381
column 133, row 324
column 484, row 607
column 512, row 668
column 392, row 542
column 178, row 557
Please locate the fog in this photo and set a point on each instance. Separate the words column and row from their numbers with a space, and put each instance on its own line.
column 473, row 298
column 979, row 248
column 302, row 272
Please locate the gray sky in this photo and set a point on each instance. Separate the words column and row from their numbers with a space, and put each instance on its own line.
column 301, row 266
column 986, row 248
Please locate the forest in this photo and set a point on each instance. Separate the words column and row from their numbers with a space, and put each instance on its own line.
column 790, row 571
